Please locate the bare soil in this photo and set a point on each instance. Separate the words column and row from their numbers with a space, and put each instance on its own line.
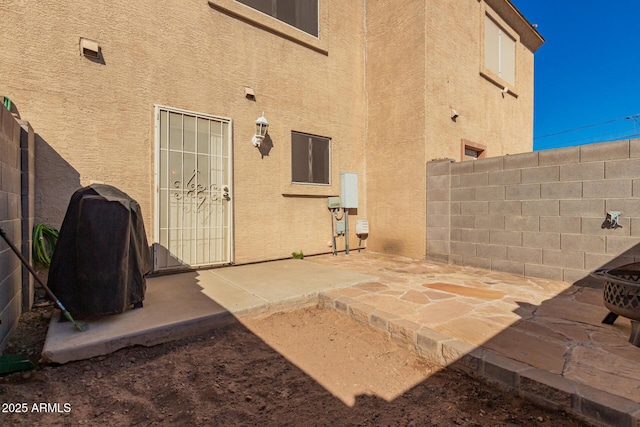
column 308, row 367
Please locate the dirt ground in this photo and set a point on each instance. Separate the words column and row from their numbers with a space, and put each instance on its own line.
column 308, row 367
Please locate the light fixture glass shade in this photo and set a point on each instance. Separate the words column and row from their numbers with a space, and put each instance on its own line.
column 261, row 126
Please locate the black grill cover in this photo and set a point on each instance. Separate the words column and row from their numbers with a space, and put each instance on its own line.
column 102, row 255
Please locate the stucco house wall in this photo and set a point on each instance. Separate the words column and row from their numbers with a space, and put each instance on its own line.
column 396, row 103
column 95, row 119
column 381, row 81
column 457, row 79
column 424, row 60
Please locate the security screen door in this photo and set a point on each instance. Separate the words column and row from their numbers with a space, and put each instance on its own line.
column 193, row 184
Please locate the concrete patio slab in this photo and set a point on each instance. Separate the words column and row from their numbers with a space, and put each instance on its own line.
column 185, row 304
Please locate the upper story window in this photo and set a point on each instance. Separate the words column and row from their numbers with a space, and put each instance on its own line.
column 310, row 159
column 302, row 14
column 499, row 51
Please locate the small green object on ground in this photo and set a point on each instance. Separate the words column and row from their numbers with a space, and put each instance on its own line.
column 15, row 362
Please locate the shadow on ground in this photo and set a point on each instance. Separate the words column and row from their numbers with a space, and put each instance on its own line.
column 231, row 376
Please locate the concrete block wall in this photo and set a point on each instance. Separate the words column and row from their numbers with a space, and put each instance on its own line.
column 537, row 214
column 10, row 221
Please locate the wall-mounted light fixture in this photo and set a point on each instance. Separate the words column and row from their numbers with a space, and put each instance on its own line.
column 454, row 115
column 261, row 130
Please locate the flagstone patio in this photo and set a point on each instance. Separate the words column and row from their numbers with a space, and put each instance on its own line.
column 550, row 332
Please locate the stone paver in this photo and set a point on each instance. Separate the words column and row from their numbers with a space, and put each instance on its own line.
column 540, row 337
column 476, row 290
column 530, row 349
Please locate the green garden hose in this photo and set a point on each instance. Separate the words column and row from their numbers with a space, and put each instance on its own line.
column 44, row 243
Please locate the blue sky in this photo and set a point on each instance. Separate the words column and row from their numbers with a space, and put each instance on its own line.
column 587, row 73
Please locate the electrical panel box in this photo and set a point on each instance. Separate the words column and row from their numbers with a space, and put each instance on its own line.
column 349, row 190
column 362, row 227
column 340, row 227
column 333, row 202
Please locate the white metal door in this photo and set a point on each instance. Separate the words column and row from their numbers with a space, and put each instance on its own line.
column 193, row 190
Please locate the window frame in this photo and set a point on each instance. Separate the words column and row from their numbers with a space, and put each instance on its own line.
column 488, row 14
column 505, row 64
column 257, row 19
column 465, row 145
column 273, row 13
column 313, row 137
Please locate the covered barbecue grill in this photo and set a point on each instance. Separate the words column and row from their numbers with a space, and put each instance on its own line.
column 102, row 255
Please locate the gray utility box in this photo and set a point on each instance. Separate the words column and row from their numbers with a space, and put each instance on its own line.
column 349, row 190
column 333, row 202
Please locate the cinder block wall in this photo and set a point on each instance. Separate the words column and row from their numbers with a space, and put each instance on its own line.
column 537, row 214
column 10, row 213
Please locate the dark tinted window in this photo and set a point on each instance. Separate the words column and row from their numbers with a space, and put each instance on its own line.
column 310, row 159
column 302, row 14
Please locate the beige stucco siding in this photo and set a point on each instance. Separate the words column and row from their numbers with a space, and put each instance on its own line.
column 396, row 125
column 95, row 121
column 381, row 81
column 424, row 58
column 502, row 122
